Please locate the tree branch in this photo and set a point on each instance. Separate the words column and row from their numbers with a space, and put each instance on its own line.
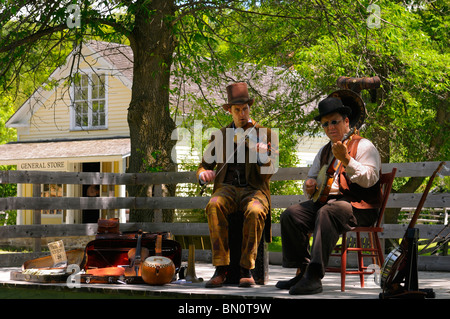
column 33, row 37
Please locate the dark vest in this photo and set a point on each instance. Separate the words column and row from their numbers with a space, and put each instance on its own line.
column 236, row 171
column 359, row 197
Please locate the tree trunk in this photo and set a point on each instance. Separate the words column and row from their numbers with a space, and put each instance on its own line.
column 149, row 117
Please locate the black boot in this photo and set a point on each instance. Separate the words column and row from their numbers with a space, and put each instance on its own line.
column 287, row 284
column 311, row 283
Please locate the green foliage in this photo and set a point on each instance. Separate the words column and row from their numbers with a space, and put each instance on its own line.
column 8, row 190
column 311, row 45
column 306, row 44
column 6, row 111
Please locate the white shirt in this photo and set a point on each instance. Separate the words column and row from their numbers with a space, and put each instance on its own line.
column 363, row 170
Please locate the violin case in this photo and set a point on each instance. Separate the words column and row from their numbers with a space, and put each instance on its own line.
column 109, row 258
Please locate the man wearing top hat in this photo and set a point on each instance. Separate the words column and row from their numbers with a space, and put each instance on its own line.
column 240, row 161
column 353, row 199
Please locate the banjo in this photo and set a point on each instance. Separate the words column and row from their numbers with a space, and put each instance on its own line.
column 395, row 267
column 326, row 174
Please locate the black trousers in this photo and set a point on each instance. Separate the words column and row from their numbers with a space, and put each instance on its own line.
column 326, row 222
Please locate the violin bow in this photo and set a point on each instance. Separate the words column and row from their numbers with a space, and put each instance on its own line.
column 202, row 189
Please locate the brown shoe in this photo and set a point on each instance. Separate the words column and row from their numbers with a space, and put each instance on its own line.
column 219, row 277
column 246, row 280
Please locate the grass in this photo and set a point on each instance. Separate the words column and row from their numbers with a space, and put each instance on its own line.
column 13, row 249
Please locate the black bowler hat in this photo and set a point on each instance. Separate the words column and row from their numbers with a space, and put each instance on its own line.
column 332, row 105
column 345, row 102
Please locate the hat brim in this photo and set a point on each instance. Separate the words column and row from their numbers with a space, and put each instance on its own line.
column 355, row 103
column 343, row 110
column 228, row 105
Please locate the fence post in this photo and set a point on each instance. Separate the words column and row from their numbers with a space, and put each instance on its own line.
column 158, row 215
column 37, row 217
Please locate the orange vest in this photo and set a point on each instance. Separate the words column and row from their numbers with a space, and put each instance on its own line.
column 360, row 197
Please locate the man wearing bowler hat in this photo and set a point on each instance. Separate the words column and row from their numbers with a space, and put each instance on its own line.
column 353, row 199
column 240, row 161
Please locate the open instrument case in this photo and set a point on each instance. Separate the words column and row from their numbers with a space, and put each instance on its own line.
column 106, row 259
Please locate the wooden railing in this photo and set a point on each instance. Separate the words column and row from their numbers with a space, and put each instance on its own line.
column 36, row 203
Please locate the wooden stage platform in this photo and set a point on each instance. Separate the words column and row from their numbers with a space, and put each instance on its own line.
column 438, row 281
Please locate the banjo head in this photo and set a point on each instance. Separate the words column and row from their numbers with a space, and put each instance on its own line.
column 321, row 183
column 390, row 268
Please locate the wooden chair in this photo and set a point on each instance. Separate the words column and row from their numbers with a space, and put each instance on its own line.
column 372, row 248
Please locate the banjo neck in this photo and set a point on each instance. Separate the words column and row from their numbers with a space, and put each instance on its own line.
column 326, row 175
column 419, row 207
column 347, row 138
column 394, row 267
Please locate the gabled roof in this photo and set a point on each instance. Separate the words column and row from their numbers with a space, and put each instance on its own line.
column 118, row 56
column 116, row 59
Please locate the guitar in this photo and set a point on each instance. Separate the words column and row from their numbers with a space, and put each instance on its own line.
column 394, row 267
column 326, row 174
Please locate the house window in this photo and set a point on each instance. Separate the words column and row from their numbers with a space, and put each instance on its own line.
column 89, row 101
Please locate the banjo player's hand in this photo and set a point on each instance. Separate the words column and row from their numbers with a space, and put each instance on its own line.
column 310, row 186
column 340, row 152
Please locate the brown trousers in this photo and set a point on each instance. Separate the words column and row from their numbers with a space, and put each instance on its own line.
column 229, row 199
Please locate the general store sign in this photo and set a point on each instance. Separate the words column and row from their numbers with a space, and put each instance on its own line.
column 42, row 165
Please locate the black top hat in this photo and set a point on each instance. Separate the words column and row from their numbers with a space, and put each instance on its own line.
column 344, row 102
column 237, row 94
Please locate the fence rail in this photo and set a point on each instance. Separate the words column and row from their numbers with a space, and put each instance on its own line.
column 421, row 169
column 396, row 200
column 188, row 229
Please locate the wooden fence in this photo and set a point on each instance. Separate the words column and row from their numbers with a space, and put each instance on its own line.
column 37, row 203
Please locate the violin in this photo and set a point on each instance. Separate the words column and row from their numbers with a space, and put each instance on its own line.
column 252, row 140
column 136, row 256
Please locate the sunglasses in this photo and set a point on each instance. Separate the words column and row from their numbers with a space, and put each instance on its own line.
column 334, row 122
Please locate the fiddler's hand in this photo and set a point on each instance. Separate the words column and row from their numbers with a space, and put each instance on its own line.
column 208, row 176
column 262, row 147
